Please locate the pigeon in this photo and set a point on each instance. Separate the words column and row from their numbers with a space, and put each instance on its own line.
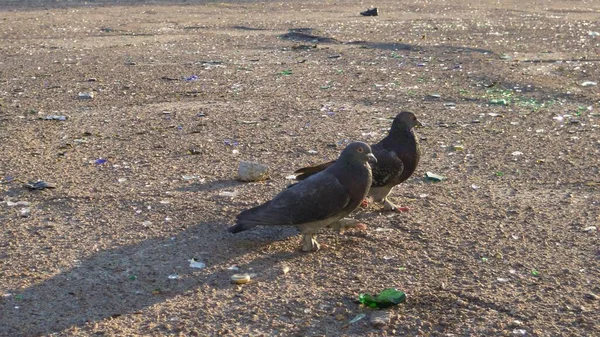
column 321, row 200
column 397, row 156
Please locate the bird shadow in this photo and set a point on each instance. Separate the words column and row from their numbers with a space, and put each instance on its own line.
column 210, row 186
column 127, row 279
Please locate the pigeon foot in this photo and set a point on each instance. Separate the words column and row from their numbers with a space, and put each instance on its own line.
column 309, row 243
column 389, row 206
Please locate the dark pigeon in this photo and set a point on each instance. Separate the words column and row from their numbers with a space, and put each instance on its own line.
column 321, row 200
column 397, row 156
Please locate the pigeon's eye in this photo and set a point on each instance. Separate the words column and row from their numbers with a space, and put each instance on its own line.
column 360, row 150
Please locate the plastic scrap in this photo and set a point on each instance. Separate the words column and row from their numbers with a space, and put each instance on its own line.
column 387, row 298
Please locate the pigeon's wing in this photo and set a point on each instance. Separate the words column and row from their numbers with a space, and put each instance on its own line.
column 308, row 171
column 388, row 167
column 318, row 198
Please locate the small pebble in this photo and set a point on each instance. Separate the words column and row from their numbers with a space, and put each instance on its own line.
column 380, row 319
column 252, row 171
column 25, row 212
column 592, row 296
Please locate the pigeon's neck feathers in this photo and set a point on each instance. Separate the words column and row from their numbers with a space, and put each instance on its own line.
column 400, row 132
column 346, row 171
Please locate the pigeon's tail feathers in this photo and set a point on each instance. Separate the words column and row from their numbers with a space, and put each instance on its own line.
column 306, row 172
column 240, row 227
column 249, row 219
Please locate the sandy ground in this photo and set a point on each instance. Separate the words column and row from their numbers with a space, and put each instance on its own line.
column 506, row 246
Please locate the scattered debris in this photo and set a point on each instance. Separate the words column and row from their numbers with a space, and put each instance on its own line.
column 230, row 194
column 517, row 153
column 592, row 296
column 387, row 298
column 240, row 278
column 196, row 264
column 85, row 95
column 286, row 72
column 434, row 177
column 39, row 185
column 233, row 268
column 589, row 84
column 590, row 229
column 285, row 269
column 252, row 171
column 55, row 118
column 173, row 277
column 499, row 101
column 18, row 203
column 100, row 161
column 357, row 318
column 191, row 78
column 25, row 212
column 519, row 332
column 458, row 147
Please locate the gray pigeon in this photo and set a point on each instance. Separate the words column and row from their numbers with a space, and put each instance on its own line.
column 397, row 155
column 319, row 201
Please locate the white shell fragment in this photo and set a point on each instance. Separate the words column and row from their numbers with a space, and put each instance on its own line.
column 252, row 171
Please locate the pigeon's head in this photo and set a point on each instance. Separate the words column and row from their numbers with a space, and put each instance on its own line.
column 405, row 120
column 358, row 152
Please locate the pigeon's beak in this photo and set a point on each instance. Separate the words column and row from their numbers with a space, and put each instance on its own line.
column 371, row 158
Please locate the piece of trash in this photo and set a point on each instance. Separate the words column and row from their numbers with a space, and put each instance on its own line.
column 291, row 177
column 519, row 332
column 357, row 318
column 122, row 180
column 423, row 196
column 196, row 264
column 535, row 272
column 499, row 101
column 85, row 95
column 337, row 56
column 100, row 161
column 499, row 173
column 285, row 269
column 494, row 114
column 590, row 229
column 436, row 96
column 370, row 12
column 387, row 298
column 189, row 177
column 312, row 151
column 39, row 185
column 147, row 224
column 503, row 280
column 475, row 187
column 380, row 229
column 25, row 212
column 55, row 118
column 434, row 177
column 191, row 78
column 173, row 277
column 18, row 203
column 517, row 153
column 594, row 34
column 450, row 104
column 252, row 171
column 230, row 142
column 240, row 278
column 132, row 277
column 589, row 84
column 458, row 147
column 228, row 194
column 286, row 72
column 233, row 268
